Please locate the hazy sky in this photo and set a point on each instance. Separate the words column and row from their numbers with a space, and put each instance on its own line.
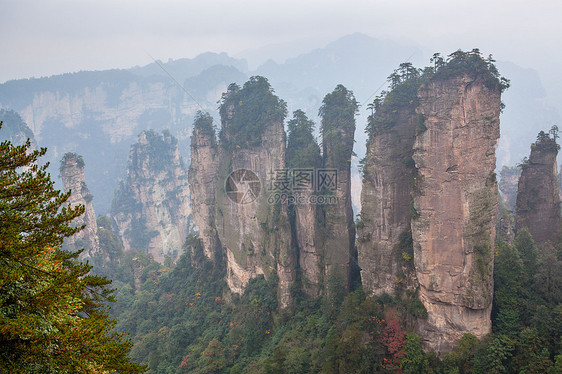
column 45, row 37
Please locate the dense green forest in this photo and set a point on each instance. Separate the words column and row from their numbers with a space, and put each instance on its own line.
column 182, row 319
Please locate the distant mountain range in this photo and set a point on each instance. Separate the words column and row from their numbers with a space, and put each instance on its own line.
column 100, row 113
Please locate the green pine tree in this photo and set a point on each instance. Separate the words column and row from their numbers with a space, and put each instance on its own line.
column 52, row 319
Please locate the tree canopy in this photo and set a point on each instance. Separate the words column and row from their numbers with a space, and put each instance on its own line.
column 302, row 149
column 247, row 111
column 406, row 80
column 338, row 111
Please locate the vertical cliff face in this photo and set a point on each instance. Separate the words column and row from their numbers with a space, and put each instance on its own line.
column 429, row 200
column 338, row 128
column 384, row 232
column 304, row 159
column 202, row 178
column 538, row 199
column 253, row 229
column 72, row 174
column 151, row 208
column 453, row 230
column 560, row 182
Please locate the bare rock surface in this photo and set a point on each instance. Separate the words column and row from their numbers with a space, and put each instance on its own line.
column 202, row 178
column 151, row 207
column 456, row 208
column 72, row 174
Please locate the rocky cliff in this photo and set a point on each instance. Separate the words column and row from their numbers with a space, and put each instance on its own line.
column 253, row 229
column 384, row 230
column 560, row 182
column 276, row 214
column 304, row 160
column 338, row 112
column 456, row 207
column 101, row 112
column 151, row 207
column 538, row 199
column 72, row 174
column 202, row 178
column 429, row 199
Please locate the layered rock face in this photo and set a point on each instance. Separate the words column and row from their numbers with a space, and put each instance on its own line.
column 151, row 208
column 538, row 199
column 101, row 112
column 105, row 115
column 202, row 178
column 254, row 231
column 72, row 174
column 338, row 129
column 386, row 199
column 456, row 207
column 255, row 180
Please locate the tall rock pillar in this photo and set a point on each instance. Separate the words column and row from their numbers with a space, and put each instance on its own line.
column 253, row 229
column 456, row 203
column 338, row 129
column 384, row 233
column 202, row 178
column 151, row 208
column 538, row 199
column 304, row 161
column 72, row 174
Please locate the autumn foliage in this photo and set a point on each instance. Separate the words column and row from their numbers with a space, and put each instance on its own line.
column 393, row 338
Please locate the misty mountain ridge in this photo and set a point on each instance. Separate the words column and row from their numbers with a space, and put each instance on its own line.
column 185, row 68
column 101, row 113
